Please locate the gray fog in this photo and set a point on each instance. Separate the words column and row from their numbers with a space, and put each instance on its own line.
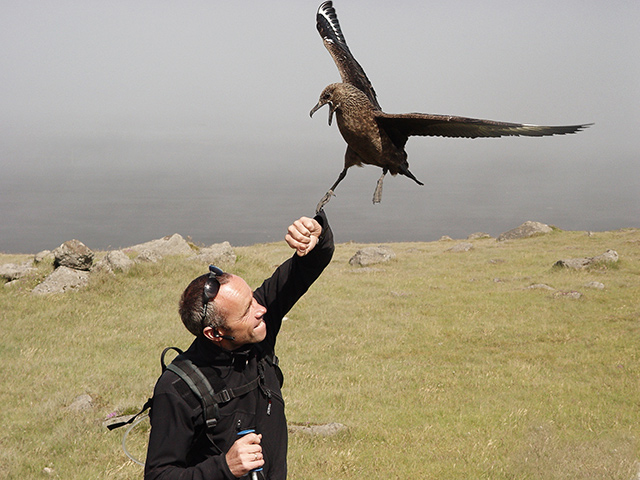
column 121, row 121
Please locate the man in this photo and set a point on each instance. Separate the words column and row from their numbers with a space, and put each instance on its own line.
column 235, row 331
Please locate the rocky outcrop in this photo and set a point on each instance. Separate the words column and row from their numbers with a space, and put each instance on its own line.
column 73, row 261
column 527, row 229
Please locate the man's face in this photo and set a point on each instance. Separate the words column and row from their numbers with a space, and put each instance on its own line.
column 242, row 312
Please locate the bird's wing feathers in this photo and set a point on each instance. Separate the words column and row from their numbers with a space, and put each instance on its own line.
column 402, row 126
column 333, row 39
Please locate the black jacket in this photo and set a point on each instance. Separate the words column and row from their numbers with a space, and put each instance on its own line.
column 178, row 445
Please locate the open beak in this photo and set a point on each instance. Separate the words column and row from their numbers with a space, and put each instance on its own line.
column 332, row 109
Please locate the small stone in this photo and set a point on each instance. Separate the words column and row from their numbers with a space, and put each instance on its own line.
column 540, row 286
column 571, row 294
column 323, row 430
column 82, row 403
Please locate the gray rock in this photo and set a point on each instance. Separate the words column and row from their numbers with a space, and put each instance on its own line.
column 596, row 285
column 43, row 256
column 115, row 261
column 12, row 283
column 575, row 263
column 62, row 279
column 14, row 271
column 216, row 254
column 167, row 246
column 445, row 238
column 461, row 247
column 478, row 236
column 610, row 256
column 73, row 254
column 527, row 229
column 372, row 255
column 148, row 256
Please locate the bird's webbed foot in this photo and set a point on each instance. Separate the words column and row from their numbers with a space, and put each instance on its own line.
column 324, row 200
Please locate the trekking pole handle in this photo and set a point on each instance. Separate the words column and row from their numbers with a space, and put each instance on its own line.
column 253, row 474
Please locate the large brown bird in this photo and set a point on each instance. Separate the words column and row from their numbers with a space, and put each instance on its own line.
column 377, row 138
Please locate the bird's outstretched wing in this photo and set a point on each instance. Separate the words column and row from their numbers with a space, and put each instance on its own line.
column 333, row 39
column 401, row 126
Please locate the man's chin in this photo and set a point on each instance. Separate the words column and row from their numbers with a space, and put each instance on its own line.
column 260, row 332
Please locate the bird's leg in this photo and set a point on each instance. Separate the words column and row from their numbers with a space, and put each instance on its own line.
column 377, row 194
column 327, row 196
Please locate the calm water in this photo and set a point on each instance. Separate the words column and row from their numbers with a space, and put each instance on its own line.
column 111, row 197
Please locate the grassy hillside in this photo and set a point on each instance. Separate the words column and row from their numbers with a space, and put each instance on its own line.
column 441, row 365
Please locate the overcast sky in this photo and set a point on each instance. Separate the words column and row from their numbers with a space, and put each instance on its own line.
column 239, row 79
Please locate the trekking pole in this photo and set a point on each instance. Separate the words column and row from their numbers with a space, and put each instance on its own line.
column 253, row 474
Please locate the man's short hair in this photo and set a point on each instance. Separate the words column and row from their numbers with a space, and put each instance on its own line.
column 192, row 306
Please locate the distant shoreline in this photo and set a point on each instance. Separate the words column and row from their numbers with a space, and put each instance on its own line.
column 4, row 254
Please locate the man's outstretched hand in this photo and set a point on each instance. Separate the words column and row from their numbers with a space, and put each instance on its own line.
column 302, row 235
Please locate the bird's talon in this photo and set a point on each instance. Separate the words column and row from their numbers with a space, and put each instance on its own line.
column 325, row 200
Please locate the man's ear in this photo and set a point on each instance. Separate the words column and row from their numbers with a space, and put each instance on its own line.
column 211, row 334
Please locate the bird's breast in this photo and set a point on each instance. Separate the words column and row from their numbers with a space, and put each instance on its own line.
column 361, row 133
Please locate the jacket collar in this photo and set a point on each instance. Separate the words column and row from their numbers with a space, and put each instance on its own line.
column 207, row 353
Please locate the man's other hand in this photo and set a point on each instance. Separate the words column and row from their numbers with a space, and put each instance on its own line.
column 245, row 455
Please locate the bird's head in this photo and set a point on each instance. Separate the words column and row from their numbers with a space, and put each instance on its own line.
column 327, row 97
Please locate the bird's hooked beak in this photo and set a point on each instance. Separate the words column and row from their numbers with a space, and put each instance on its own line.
column 332, row 108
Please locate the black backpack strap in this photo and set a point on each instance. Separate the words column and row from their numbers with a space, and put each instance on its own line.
column 149, row 401
column 111, row 426
column 202, row 389
column 199, row 385
column 164, row 352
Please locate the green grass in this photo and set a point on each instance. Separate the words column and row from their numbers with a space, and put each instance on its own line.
column 441, row 365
